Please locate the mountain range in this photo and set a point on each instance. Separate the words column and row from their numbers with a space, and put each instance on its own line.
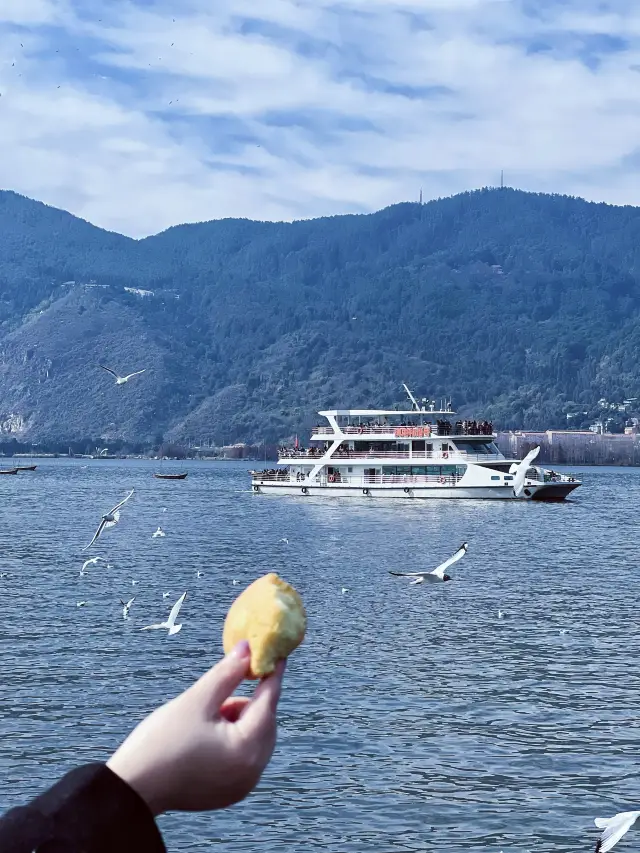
column 523, row 308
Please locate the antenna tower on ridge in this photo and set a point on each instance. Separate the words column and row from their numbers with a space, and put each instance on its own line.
column 502, row 179
column 420, row 195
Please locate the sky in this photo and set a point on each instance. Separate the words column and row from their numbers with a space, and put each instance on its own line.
column 140, row 114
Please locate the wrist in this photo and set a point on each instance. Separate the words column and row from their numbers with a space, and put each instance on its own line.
column 142, row 785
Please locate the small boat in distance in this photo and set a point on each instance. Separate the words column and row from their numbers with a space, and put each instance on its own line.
column 9, row 471
column 26, row 467
column 171, row 476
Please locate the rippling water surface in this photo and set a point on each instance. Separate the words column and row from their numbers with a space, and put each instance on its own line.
column 412, row 717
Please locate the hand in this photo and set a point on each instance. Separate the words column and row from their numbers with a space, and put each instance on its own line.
column 205, row 749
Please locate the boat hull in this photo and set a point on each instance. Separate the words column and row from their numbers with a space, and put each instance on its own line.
column 554, row 492
column 170, row 476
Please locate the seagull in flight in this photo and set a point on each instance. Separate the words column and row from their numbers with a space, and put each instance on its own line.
column 199, row 574
column 158, row 532
column 437, row 574
column 109, row 520
column 166, row 594
column 90, row 562
column 170, row 624
column 614, row 828
column 122, row 380
column 285, row 540
column 520, row 472
column 81, row 604
column 126, row 607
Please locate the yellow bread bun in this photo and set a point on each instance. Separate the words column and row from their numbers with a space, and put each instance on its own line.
column 270, row 615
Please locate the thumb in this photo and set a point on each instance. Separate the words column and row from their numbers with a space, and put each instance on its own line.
column 219, row 683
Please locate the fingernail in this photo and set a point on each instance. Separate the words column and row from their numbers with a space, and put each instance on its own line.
column 241, row 650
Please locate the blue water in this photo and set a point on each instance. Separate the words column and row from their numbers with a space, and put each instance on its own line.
column 412, row 717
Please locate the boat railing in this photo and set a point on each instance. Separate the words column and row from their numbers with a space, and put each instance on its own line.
column 444, row 456
column 351, row 480
column 390, row 429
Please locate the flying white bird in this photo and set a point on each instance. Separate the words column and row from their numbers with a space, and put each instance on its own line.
column 500, row 614
column 235, row 582
column 170, row 624
column 166, row 594
column 121, row 380
column 126, row 607
column 199, row 574
column 437, row 574
column 285, row 540
column 158, row 532
column 81, row 604
column 133, row 583
column 614, row 828
column 3, row 574
column 109, row 520
column 520, row 471
column 344, row 589
column 90, row 562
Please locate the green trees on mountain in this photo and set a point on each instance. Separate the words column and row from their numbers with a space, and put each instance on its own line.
column 522, row 307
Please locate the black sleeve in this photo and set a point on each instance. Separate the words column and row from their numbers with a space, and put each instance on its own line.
column 90, row 810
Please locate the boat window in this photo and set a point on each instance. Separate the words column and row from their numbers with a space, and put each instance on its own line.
column 418, row 445
column 477, row 447
column 508, row 477
column 403, row 469
column 495, row 478
column 349, row 470
column 420, row 471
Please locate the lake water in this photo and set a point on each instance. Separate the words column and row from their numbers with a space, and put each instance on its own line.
column 413, row 718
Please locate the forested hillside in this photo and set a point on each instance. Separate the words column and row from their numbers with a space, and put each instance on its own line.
column 524, row 308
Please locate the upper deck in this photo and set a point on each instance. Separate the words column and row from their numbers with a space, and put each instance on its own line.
column 391, row 424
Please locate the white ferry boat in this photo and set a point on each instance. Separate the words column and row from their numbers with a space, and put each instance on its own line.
column 420, row 452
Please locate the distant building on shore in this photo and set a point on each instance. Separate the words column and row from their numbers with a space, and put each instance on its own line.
column 574, row 447
column 249, row 451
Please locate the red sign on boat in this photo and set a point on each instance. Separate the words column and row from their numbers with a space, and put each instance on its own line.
column 413, row 432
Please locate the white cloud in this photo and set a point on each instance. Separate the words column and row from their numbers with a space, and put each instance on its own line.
column 145, row 117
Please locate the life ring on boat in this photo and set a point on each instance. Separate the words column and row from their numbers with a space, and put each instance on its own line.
column 332, row 479
column 305, row 490
column 442, row 481
column 407, row 491
column 366, row 492
column 445, row 455
column 256, row 488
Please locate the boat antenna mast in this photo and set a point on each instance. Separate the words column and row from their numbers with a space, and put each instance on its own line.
column 412, row 398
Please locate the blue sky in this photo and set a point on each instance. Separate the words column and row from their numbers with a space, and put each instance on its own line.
column 139, row 114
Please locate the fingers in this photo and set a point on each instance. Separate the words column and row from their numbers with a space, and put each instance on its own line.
column 261, row 711
column 219, row 683
column 232, row 708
